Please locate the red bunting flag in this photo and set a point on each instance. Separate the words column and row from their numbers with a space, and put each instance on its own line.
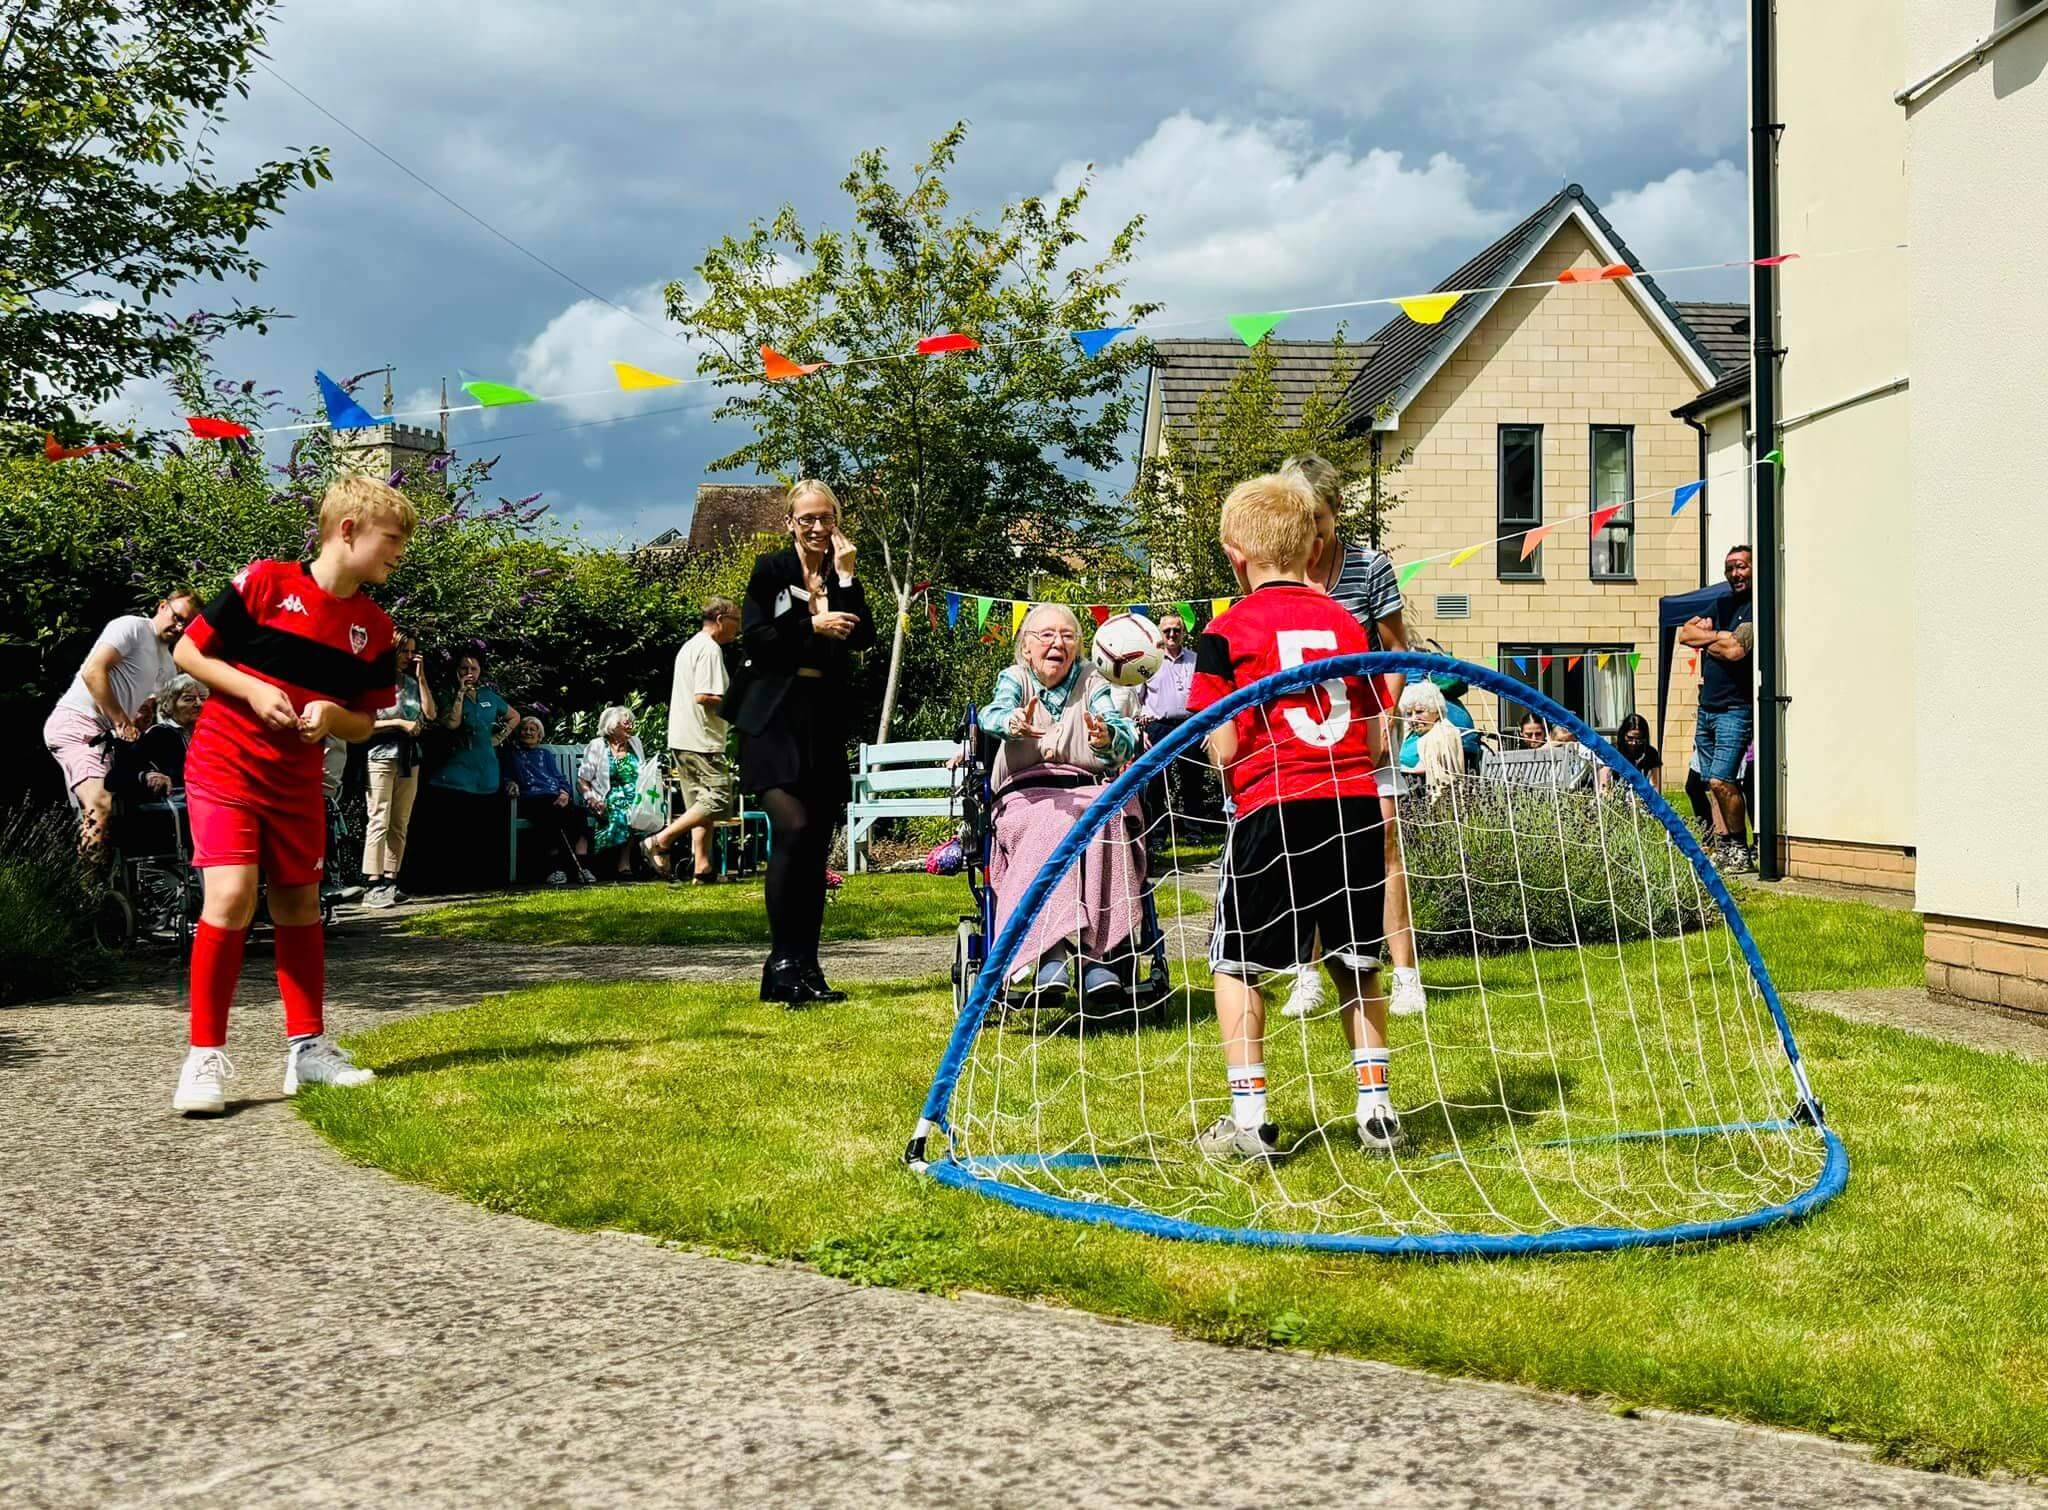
column 932, row 346
column 54, row 451
column 1601, row 517
column 1695, row 663
column 931, row 611
column 1099, row 613
column 215, row 429
column 1573, row 663
column 1596, row 274
column 1533, row 539
column 1777, row 261
column 1543, row 662
column 775, row 366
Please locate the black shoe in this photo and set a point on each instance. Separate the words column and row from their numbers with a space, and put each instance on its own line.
column 815, row 983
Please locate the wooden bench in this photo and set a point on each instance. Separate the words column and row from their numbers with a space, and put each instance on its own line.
column 906, row 779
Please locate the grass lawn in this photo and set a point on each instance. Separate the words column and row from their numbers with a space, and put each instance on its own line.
column 866, row 907
column 1906, row 1314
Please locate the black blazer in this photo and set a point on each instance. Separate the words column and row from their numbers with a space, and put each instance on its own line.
column 776, row 638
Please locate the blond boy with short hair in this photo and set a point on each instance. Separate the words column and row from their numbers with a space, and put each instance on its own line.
column 294, row 653
column 1304, row 854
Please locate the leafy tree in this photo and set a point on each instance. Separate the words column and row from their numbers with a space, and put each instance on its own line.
column 963, row 469
column 109, row 199
column 1237, row 431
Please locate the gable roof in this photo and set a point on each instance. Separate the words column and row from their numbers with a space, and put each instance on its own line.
column 1186, row 370
column 1723, row 329
column 1408, row 355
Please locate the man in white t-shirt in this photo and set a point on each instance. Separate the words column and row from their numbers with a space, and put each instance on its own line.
column 118, row 683
column 696, row 741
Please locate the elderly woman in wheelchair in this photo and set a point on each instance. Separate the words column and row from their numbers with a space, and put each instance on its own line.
column 1062, row 739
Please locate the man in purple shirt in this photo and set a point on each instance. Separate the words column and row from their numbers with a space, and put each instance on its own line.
column 1181, row 788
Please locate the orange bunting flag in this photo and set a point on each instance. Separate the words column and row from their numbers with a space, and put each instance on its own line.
column 1602, row 516
column 1695, row 663
column 54, row 451
column 775, row 366
column 1596, row 274
column 932, row 346
column 1573, row 663
column 1533, row 539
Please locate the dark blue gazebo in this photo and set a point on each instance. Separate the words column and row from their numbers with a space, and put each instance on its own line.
column 1672, row 612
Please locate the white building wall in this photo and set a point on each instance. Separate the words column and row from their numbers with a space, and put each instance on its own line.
column 1977, row 148
column 1731, row 486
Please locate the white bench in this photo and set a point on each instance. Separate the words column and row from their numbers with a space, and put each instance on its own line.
column 907, row 779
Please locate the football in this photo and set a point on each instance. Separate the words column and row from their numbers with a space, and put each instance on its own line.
column 1126, row 649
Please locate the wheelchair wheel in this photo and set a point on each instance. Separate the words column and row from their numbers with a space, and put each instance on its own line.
column 966, row 962
column 113, row 921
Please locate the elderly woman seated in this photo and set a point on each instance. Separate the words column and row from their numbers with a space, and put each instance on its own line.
column 541, row 788
column 1435, row 746
column 1063, row 738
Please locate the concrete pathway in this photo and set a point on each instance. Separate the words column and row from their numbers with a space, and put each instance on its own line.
column 226, row 1312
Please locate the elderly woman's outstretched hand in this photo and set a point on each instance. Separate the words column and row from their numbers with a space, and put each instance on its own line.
column 1098, row 732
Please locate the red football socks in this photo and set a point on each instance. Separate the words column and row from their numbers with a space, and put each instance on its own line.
column 216, row 965
column 302, row 977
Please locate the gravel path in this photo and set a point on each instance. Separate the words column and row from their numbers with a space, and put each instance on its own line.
column 226, row 1311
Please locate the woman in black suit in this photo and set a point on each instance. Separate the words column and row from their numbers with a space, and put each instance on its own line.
column 803, row 618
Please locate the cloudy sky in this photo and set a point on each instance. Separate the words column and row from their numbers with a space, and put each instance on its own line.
column 1292, row 152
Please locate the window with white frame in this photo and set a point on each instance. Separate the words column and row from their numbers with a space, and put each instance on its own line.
column 1613, row 485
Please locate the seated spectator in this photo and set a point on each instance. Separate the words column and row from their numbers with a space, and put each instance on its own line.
column 1454, row 689
column 609, row 777
column 1533, row 733
column 1434, row 748
column 536, row 782
column 152, row 768
column 1062, row 739
column 1633, row 740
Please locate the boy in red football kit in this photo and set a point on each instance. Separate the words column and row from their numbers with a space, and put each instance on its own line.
column 294, row 653
column 1304, row 851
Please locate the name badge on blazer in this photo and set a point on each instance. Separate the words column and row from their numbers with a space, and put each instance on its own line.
column 786, row 600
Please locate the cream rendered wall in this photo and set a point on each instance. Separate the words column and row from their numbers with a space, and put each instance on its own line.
column 1731, row 494
column 1978, row 221
column 1567, row 358
column 1845, row 500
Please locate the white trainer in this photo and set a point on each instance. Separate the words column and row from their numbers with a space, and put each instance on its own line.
column 1379, row 1129
column 203, row 1083
column 1305, row 998
column 1408, row 999
column 1224, row 1139
column 318, row 1062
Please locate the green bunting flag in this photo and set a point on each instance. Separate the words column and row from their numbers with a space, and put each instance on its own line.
column 1777, row 459
column 490, row 395
column 981, row 608
column 1409, row 573
column 1252, row 329
column 1635, row 659
column 1187, row 615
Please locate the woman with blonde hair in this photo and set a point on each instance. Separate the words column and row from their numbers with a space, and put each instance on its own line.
column 791, row 699
column 1063, row 738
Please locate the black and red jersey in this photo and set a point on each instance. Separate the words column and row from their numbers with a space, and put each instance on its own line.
column 275, row 622
column 1303, row 745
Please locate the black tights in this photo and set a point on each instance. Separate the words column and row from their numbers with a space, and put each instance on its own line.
column 800, row 837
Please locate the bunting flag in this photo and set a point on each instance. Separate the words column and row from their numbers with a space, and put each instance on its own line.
column 632, row 378
column 1466, row 554
column 491, row 395
column 1596, row 274
column 952, row 609
column 1521, row 662
column 1533, row 539
column 1217, row 606
column 1094, row 342
column 1428, row 309
column 1099, row 612
column 1409, row 573
column 343, row 412
column 1776, row 459
column 775, row 366
column 952, row 340
column 1602, row 660
column 1778, row 261
column 1187, row 615
column 215, row 429
column 1018, row 610
column 1543, row 662
column 1599, row 520
column 53, row 450
column 931, row 611
column 981, row 608
column 1695, row 666
column 1635, row 659
column 1252, row 329
column 1686, row 494
column 1573, row 663
column 1136, row 610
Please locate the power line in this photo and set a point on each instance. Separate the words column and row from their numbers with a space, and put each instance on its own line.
column 463, row 209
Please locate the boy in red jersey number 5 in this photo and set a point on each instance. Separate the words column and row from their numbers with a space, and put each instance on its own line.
column 1304, row 854
column 294, row 653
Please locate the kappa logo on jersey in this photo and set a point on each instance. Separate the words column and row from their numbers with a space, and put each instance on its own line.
column 293, row 603
column 358, row 638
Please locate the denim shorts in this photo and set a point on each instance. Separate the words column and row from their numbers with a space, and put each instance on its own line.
column 1720, row 741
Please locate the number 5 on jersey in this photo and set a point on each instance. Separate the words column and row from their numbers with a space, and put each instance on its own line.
column 1294, row 646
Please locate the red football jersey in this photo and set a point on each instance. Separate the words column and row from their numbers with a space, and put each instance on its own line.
column 276, row 623
column 1306, row 744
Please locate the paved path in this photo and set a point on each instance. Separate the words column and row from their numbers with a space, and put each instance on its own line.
column 226, row 1311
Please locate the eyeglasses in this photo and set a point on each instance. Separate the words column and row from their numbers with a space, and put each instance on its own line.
column 1051, row 636
column 182, row 620
column 815, row 522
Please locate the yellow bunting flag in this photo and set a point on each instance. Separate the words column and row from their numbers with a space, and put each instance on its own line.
column 631, row 378
column 1017, row 612
column 1466, row 554
column 1428, row 309
column 1600, row 661
column 1217, row 606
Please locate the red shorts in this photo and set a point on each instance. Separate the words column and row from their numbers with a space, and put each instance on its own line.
column 288, row 846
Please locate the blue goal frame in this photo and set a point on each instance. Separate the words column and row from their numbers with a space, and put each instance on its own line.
column 967, row 1174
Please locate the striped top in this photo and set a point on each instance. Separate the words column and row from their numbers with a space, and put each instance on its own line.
column 1367, row 588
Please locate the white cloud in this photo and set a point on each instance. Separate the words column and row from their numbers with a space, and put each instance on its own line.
column 1243, row 214
column 1685, row 218
column 573, row 354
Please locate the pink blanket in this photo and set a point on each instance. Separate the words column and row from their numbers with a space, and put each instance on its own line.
column 1098, row 904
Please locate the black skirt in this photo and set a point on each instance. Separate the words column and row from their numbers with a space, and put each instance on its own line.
column 803, row 745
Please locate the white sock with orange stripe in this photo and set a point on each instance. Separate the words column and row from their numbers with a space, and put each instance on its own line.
column 1248, row 1096
column 1370, row 1066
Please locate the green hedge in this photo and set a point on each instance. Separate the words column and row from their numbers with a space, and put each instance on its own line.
column 1491, row 867
column 46, row 906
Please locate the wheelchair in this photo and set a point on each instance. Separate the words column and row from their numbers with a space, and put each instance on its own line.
column 152, row 890
column 1142, row 988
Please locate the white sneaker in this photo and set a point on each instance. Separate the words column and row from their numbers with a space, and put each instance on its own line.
column 558, row 878
column 203, row 1083
column 1408, row 999
column 1306, row 997
column 318, row 1062
column 1224, row 1139
column 1379, row 1128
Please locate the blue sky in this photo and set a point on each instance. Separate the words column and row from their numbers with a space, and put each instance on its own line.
column 1294, row 152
